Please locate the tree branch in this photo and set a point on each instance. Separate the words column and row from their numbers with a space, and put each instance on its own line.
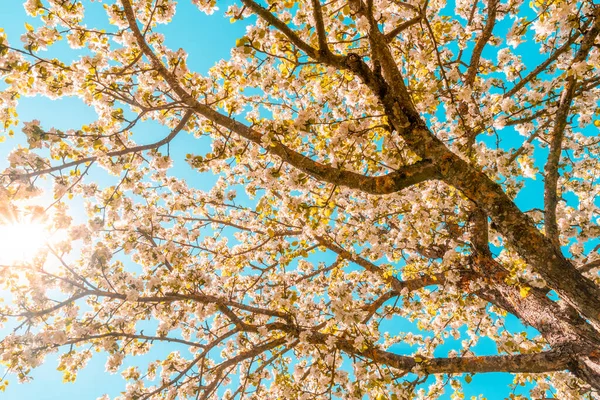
column 398, row 285
column 407, row 24
column 552, row 360
column 116, row 153
column 551, row 168
column 292, row 36
column 519, row 230
column 486, row 34
column 589, row 266
column 542, row 67
column 320, row 26
column 390, row 183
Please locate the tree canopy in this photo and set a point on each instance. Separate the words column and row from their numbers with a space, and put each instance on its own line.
column 364, row 226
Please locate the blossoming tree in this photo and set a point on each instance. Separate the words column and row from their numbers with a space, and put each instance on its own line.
column 366, row 168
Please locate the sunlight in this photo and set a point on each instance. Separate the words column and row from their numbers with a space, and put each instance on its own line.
column 21, row 241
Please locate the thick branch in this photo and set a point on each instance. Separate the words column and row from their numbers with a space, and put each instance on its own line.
column 551, row 168
column 553, row 360
column 560, row 324
column 320, row 26
column 405, row 25
column 589, row 266
column 292, row 36
column 486, row 34
column 519, row 230
column 390, row 183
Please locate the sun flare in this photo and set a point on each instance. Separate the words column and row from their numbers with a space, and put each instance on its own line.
column 21, row 241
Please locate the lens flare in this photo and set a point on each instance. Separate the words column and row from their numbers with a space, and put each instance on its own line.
column 21, row 241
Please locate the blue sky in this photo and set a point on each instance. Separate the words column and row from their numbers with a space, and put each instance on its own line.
column 207, row 40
